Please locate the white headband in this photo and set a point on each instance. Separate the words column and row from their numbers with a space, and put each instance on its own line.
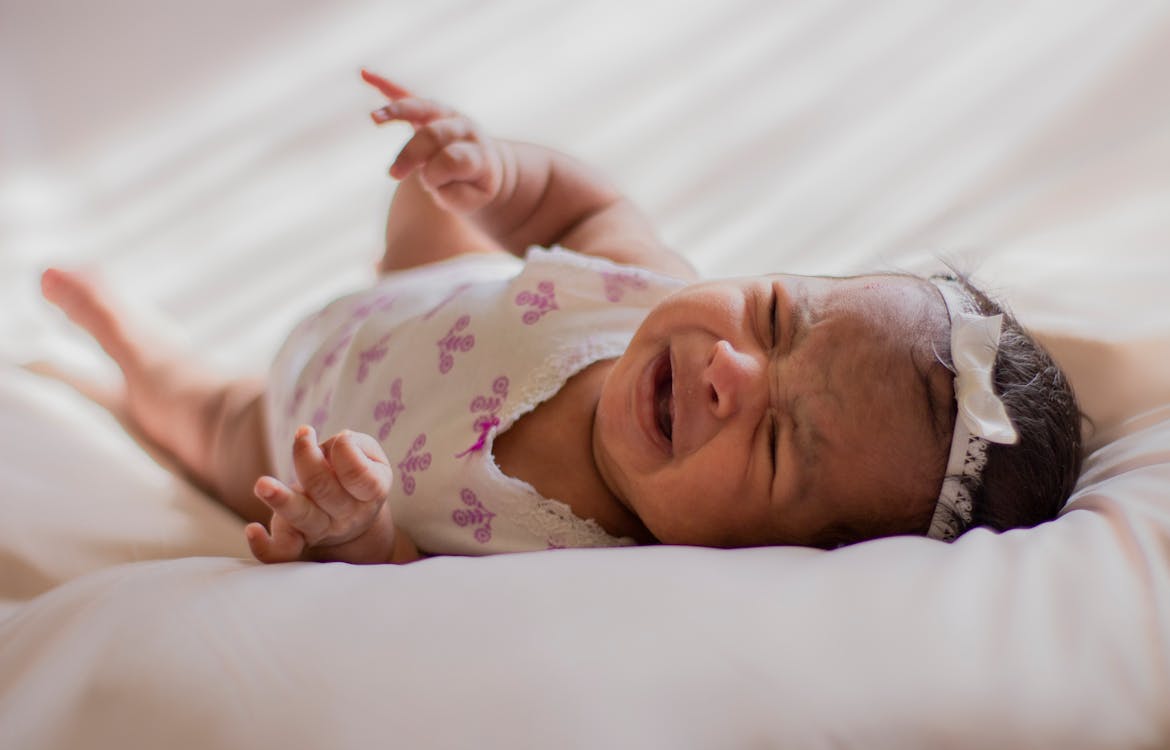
column 981, row 417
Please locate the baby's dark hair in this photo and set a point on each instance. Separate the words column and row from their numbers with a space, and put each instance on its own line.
column 1027, row 483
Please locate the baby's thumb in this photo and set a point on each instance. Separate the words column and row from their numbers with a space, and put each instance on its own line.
column 361, row 466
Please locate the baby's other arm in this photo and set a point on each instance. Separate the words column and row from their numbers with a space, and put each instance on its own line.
column 550, row 198
column 337, row 512
column 519, row 194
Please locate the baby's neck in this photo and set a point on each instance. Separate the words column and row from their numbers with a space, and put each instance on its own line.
column 551, row 448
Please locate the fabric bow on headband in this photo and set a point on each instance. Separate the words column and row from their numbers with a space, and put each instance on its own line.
column 974, row 345
column 981, row 417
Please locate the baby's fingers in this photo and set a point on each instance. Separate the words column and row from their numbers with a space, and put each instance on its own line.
column 463, row 177
column 283, row 545
column 296, row 509
column 388, row 88
column 318, row 480
column 417, row 112
column 361, row 466
column 429, row 141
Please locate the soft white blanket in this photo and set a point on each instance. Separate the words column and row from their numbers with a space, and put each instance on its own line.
column 215, row 161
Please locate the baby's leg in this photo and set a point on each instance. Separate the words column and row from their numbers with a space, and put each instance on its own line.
column 213, row 426
column 419, row 231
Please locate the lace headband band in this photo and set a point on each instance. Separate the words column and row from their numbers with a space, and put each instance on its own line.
column 981, row 417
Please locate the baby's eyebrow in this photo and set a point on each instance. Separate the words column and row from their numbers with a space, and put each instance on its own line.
column 808, row 437
column 808, row 441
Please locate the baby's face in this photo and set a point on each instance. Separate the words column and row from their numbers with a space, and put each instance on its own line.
column 781, row 410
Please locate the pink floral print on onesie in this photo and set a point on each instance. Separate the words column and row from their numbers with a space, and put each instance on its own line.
column 321, row 413
column 380, row 303
column 333, row 356
column 486, row 407
column 453, row 342
column 540, row 302
column 414, row 462
column 367, row 358
column 616, row 283
column 295, row 402
column 386, row 412
column 474, row 515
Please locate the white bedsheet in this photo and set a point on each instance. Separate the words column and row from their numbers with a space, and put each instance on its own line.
column 215, row 161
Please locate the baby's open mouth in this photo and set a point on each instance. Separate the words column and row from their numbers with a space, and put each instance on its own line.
column 664, row 398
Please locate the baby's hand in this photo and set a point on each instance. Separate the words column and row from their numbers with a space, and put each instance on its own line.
column 457, row 162
column 338, row 509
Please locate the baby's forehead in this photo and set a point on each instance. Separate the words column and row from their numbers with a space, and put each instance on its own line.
column 878, row 338
column 908, row 303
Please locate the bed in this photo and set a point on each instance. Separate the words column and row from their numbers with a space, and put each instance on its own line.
column 215, row 161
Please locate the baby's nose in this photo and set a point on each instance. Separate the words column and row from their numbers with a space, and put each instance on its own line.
column 733, row 379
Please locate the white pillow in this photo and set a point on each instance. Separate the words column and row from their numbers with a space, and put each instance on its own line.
column 1053, row 637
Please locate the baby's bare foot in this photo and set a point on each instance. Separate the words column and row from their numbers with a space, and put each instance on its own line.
column 164, row 388
column 81, row 298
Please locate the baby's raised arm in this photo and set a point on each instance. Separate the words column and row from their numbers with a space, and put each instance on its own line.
column 519, row 194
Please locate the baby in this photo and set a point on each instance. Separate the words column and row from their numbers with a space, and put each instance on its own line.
column 602, row 395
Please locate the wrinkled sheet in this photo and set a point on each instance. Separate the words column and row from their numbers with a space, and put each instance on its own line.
column 215, row 162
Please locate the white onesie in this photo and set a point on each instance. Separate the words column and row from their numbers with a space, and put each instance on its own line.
column 436, row 361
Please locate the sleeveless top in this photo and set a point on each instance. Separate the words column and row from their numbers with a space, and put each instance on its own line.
column 436, row 361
